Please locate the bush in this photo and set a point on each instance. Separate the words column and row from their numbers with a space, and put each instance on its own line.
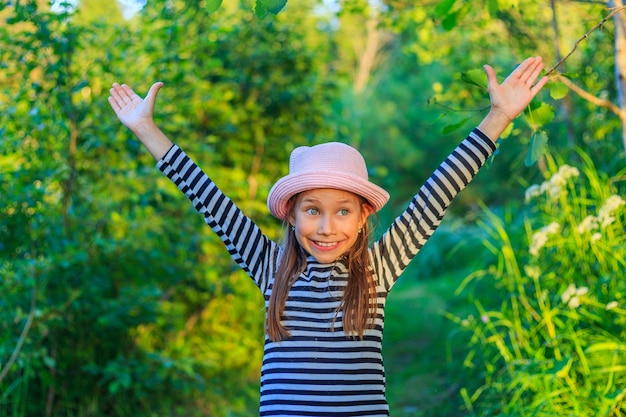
column 551, row 341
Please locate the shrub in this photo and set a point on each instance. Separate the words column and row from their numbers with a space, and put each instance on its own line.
column 552, row 340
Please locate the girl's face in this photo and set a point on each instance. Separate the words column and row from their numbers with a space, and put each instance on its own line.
column 327, row 222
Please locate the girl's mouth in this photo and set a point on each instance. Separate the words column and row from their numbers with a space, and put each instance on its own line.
column 325, row 245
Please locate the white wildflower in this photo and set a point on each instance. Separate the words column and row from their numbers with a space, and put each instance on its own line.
column 553, row 190
column 540, row 238
column 564, row 173
column 554, row 186
column 572, row 295
column 532, row 192
column 595, row 237
column 568, row 172
column 558, row 179
column 611, row 205
column 552, row 228
column 611, row 305
column 568, row 293
column 574, row 302
column 532, row 272
column 587, row 225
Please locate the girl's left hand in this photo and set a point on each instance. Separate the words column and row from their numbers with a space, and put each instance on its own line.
column 511, row 97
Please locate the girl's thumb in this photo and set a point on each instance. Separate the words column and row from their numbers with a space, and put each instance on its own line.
column 154, row 89
column 491, row 74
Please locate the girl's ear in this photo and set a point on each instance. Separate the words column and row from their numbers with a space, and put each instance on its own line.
column 366, row 210
column 291, row 219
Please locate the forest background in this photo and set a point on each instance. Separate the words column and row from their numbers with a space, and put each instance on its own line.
column 117, row 300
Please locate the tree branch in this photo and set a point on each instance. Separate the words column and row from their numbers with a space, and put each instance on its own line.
column 20, row 342
column 585, row 36
column 590, row 97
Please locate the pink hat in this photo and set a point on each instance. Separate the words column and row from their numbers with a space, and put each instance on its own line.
column 329, row 165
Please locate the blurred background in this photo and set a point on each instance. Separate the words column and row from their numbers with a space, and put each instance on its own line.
column 117, row 300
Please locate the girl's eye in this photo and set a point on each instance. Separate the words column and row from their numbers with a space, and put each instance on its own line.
column 344, row 212
column 312, row 211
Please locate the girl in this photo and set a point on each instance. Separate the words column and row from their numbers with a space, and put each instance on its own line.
column 324, row 288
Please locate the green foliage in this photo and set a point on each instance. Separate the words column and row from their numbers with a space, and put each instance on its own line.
column 134, row 310
column 272, row 6
column 213, row 5
column 550, row 340
column 504, row 33
column 538, row 147
column 118, row 300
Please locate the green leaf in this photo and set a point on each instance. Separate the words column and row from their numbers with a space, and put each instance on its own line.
column 450, row 21
column 538, row 147
column 260, row 10
column 213, row 5
column 454, row 126
column 475, row 76
column 80, row 85
column 492, row 7
column 540, row 115
column 274, row 6
column 558, row 90
column 444, row 7
column 507, row 131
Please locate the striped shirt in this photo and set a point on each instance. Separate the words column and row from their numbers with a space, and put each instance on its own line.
column 319, row 370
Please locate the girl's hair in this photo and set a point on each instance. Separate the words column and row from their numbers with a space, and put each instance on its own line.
column 359, row 299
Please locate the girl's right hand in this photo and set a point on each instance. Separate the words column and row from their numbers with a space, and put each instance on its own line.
column 133, row 111
column 136, row 114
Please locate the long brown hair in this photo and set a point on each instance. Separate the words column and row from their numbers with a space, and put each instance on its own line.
column 359, row 299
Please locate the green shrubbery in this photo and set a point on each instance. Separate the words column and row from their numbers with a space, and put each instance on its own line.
column 550, row 340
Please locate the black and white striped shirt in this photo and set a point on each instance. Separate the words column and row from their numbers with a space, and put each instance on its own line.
column 319, row 371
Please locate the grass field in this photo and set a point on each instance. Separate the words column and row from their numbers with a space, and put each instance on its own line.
column 421, row 378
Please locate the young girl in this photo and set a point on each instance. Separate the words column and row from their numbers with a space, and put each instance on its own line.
column 324, row 288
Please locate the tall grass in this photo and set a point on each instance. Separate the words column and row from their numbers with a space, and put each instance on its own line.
column 552, row 341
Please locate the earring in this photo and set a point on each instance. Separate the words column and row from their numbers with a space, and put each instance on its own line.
column 293, row 228
column 359, row 230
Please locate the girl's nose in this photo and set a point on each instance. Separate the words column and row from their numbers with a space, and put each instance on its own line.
column 326, row 226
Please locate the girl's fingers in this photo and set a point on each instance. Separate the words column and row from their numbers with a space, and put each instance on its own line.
column 116, row 107
column 523, row 70
column 118, row 94
column 125, row 94
column 532, row 71
column 538, row 85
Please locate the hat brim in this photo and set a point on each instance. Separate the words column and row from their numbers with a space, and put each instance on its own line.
column 290, row 185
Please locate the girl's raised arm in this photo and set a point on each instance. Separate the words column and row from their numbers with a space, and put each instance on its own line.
column 136, row 114
column 511, row 97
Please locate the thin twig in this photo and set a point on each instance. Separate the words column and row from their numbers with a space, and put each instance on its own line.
column 585, row 36
column 20, row 342
column 590, row 97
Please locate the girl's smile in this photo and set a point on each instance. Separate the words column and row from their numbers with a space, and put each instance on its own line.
column 327, row 222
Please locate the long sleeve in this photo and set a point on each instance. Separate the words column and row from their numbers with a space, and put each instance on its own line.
column 248, row 246
column 411, row 230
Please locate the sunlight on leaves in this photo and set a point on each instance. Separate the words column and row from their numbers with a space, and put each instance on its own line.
column 274, row 6
column 476, row 77
column 540, row 115
column 213, row 5
column 558, row 90
column 444, row 7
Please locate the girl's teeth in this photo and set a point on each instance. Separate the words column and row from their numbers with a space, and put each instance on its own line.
column 325, row 244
